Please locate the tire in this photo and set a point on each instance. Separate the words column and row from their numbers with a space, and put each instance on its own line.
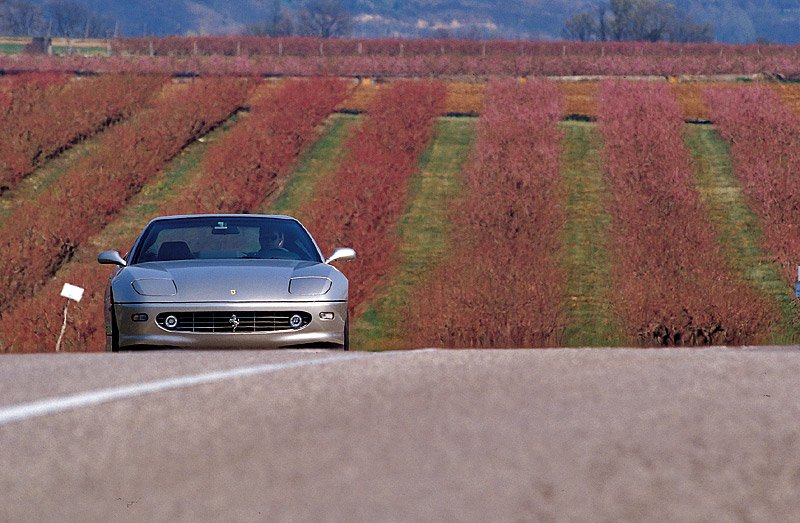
column 346, row 345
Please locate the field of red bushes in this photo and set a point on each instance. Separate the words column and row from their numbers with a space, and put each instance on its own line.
column 765, row 140
column 239, row 172
column 503, row 282
column 42, row 234
column 80, row 107
column 502, row 286
column 252, row 165
column 297, row 56
column 672, row 281
column 362, row 203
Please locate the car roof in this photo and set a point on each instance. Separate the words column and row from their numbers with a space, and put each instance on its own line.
column 182, row 216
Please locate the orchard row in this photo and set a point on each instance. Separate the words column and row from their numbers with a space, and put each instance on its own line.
column 392, row 57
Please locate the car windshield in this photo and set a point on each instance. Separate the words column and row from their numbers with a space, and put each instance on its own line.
column 225, row 238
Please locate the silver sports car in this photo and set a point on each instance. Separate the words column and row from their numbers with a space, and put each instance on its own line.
column 226, row 281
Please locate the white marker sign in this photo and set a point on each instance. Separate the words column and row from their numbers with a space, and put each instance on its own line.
column 72, row 292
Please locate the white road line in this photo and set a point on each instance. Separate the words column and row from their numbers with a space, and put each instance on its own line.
column 25, row 411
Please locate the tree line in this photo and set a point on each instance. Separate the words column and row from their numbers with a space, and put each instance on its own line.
column 606, row 20
column 320, row 18
column 636, row 20
column 62, row 18
column 71, row 19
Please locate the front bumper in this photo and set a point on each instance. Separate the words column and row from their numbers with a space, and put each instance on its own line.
column 144, row 334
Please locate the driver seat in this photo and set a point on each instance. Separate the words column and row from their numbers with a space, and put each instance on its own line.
column 171, row 251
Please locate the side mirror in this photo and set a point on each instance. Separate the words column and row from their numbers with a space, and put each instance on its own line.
column 111, row 258
column 341, row 254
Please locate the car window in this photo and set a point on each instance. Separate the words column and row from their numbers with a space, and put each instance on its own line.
column 225, row 238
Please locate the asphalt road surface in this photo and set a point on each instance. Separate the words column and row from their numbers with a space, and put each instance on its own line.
column 550, row 435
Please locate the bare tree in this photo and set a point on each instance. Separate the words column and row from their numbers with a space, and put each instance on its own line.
column 623, row 15
column 324, row 18
column 4, row 26
column 652, row 20
column 582, row 27
column 73, row 20
column 20, row 18
column 602, row 21
column 684, row 30
column 639, row 20
column 279, row 22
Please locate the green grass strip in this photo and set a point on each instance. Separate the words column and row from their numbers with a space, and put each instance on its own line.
column 11, row 48
column 57, row 49
column 43, row 177
column 321, row 160
column 423, row 233
column 591, row 321
column 76, row 50
column 738, row 227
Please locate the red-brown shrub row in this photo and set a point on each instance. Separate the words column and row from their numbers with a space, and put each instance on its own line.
column 361, row 204
column 673, row 285
column 34, row 323
column 765, row 145
column 80, row 108
column 399, row 47
column 238, row 172
column 41, row 234
column 252, row 163
column 425, row 58
column 501, row 286
column 21, row 93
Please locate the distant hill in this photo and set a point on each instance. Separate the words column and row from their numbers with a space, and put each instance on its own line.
column 734, row 20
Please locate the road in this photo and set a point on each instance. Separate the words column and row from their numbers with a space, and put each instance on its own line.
column 550, row 435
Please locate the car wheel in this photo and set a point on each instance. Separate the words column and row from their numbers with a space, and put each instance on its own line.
column 346, row 334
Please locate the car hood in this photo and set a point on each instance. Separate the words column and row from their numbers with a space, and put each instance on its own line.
column 194, row 281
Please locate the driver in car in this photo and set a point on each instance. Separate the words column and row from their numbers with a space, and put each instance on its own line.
column 271, row 242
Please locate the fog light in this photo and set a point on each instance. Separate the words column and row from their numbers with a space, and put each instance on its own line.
column 139, row 317
column 171, row 322
column 296, row 321
column 327, row 316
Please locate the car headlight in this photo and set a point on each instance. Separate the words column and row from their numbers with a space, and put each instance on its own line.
column 309, row 286
column 155, row 287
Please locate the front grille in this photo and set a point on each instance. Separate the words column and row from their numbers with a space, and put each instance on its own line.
column 223, row 322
